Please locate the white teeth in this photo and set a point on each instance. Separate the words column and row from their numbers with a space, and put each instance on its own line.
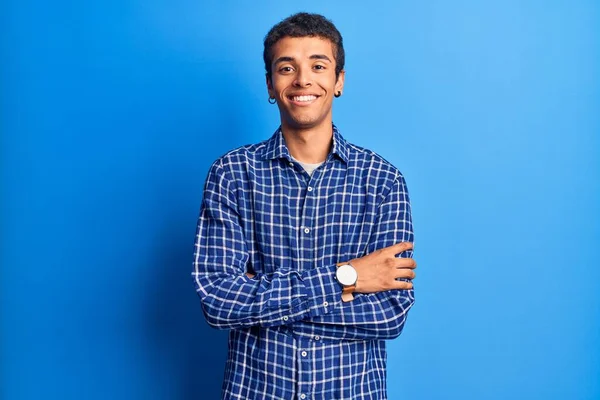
column 304, row 98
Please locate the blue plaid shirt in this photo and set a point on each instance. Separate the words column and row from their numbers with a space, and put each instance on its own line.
column 291, row 335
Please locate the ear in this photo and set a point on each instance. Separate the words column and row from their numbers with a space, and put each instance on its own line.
column 269, row 85
column 339, row 84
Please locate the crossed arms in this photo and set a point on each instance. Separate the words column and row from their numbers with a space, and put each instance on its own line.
column 308, row 301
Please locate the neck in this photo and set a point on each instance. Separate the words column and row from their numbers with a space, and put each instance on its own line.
column 310, row 146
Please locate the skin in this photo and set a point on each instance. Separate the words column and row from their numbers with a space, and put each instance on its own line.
column 378, row 271
column 306, row 66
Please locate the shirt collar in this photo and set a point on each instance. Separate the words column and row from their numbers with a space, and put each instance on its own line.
column 276, row 148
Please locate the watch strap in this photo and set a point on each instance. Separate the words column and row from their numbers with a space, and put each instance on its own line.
column 347, row 291
column 346, row 297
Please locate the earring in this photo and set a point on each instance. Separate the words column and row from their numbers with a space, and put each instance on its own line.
column 338, row 94
column 272, row 100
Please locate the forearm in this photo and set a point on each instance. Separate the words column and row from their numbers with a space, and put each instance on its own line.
column 369, row 316
column 310, row 302
column 236, row 301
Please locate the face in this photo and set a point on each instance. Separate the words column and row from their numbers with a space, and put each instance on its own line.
column 303, row 81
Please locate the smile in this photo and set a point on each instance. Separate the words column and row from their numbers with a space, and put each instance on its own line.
column 304, row 99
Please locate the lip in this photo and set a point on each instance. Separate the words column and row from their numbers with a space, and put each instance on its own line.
column 304, row 102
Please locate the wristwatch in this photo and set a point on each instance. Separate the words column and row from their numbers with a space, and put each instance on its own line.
column 347, row 276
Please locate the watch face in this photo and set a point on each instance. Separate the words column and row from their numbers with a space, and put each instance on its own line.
column 346, row 275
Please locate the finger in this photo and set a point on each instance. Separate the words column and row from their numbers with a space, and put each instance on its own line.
column 405, row 263
column 403, row 285
column 405, row 273
column 399, row 247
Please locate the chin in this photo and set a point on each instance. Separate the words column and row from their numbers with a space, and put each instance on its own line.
column 304, row 121
column 303, row 124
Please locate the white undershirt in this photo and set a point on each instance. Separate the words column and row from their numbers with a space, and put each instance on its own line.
column 309, row 167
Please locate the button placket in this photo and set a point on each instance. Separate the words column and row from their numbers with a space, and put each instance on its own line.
column 305, row 374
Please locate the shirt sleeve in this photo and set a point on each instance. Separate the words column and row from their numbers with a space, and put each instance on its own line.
column 379, row 315
column 229, row 298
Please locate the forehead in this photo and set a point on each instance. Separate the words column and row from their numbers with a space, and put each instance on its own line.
column 302, row 47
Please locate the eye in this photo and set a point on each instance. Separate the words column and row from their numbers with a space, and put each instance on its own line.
column 319, row 67
column 286, row 69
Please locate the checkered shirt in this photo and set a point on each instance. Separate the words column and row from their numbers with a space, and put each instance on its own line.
column 291, row 335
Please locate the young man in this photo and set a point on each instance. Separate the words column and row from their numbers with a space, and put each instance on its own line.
column 304, row 247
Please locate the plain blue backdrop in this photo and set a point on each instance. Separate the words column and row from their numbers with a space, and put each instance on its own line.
column 112, row 111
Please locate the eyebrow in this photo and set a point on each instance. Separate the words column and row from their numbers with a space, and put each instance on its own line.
column 312, row 57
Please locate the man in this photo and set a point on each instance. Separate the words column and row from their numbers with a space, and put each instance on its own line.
column 299, row 236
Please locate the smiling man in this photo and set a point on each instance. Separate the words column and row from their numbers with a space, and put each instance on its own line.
column 304, row 241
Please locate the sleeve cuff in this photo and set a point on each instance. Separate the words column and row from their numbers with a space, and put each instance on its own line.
column 322, row 290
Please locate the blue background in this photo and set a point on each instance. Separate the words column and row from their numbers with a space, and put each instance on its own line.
column 112, row 111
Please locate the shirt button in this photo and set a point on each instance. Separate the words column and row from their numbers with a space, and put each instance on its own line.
column 306, row 230
column 309, row 189
column 302, row 396
column 317, row 337
column 325, row 304
column 291, row 164
column 285, row 317
column 304, row 354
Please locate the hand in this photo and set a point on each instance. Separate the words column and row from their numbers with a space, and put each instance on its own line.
column 378, row 271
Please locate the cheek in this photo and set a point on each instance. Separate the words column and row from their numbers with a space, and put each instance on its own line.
column 279, row 84
column 279, row 91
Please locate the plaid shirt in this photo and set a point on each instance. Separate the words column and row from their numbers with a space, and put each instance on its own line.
column 291, row 335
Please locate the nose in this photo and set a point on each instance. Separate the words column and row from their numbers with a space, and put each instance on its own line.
column 302, row 78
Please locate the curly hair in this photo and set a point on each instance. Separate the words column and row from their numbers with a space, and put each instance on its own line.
column 302, row 25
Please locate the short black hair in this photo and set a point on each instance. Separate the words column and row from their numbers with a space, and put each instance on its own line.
column 302, row 25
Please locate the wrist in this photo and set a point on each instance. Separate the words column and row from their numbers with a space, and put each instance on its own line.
column 347, row 277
